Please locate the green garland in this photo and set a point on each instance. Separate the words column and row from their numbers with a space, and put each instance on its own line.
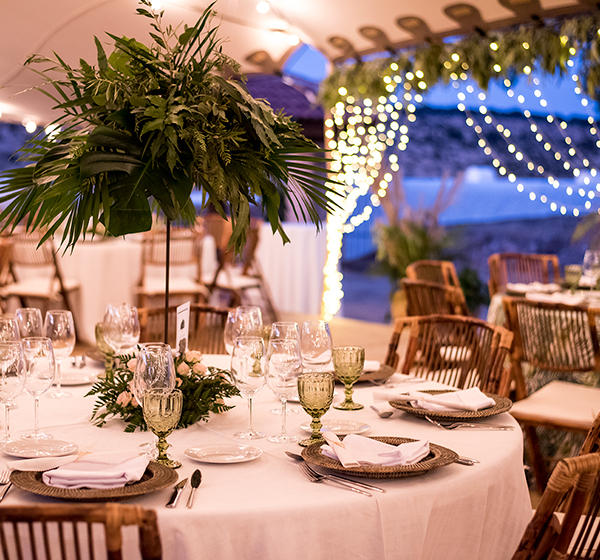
column 547, row 48
column 203, row 390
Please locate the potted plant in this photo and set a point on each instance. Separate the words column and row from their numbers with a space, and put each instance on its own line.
column 143, row 127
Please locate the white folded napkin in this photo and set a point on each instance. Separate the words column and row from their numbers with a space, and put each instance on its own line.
column 96, row 470
column 370, row 365
column 587, row 281
column 533, row 287
column 357, row 450
column 557, row 297
column 468, row 399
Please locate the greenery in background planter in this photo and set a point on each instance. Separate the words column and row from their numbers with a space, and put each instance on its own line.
column 475, row 290
column 147, row 125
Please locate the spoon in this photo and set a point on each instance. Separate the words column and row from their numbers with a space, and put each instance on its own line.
column 195, row 482
column 382, row 413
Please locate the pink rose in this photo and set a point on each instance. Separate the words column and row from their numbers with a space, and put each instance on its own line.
column 131, row 364
column 179, row 382
column 183, row 369
column 199, row 368
column 193, row 355
column 124, row 398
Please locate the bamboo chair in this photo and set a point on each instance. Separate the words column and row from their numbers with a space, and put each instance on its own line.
column 521, row 268
column 440, row 272
column 36, row 275
column 241, row 279
column 430, row 298
column 554, row 338
column 57, row 530
column 206, row 328
column 462, row 352
column 185, row 280
column 574, row 482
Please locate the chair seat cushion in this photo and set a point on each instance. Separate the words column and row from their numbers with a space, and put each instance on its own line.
column 181, row 285
column 560, row 405
column 38, row 286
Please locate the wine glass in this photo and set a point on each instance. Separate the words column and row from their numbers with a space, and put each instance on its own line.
column 242, row 321
column 315, row 389
column 348, row 362
column 162, row 411
column 29, row 322
column 591, row 265
column 285, row 329
column 11, row 379
column 248, row 371
column 284, row 366
column 121, row 327
column 154, row 370
column 9, row 331
column 315, row 345
column 230, row 331
column 573, row 275
column 39, row 375
column 60, row 329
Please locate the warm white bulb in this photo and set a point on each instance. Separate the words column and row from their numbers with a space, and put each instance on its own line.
column 156, row 5
column 30, row 126
column 263, row 7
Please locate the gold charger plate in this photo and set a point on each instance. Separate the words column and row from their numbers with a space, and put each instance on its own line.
column 438, row 457
column 502, row 404
column 155, row 478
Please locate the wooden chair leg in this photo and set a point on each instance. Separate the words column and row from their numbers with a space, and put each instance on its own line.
column 535, row 456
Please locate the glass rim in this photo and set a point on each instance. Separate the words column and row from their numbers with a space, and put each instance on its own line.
column 317, row 374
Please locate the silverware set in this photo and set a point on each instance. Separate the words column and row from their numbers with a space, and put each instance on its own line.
column 5, row 483
column 456, row 425
column 179, row 487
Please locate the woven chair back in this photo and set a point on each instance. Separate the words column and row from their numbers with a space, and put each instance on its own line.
column 71, row 531
column 430, row 298
column 185, row 247
column 575, row 483
column 440, row 272
column 27, row 251
column 459, row 351
column 206, row 328
column 521, row 268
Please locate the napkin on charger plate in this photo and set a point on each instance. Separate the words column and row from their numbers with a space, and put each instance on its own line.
column 557, row 297
column 467, row 399
column 533, row 287
column 104, row 470
column 357, row 450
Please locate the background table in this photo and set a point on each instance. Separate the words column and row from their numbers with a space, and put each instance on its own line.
column 266, row 509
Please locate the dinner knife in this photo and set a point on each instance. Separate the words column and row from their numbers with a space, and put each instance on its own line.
column 177, row 490
column 195, row 482
column 5, row 491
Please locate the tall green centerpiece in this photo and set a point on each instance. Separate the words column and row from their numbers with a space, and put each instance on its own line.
column 142, row 127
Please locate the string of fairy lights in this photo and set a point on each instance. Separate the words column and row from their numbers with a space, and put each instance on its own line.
column 361, row 133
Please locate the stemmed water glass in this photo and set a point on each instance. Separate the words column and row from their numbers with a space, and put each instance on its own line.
column 29, row 322
column 348, row 362
column 162, row 411
column 11, row 379
column 285, row 329
column 591, row 265
column 248, row 371
column 154, row 370
column 9, row 332
column 284, row 366
column 315, row 345
column 60, row 329
column 39, row 375
column 242, row 321
column 316, row 394
column 121, row 327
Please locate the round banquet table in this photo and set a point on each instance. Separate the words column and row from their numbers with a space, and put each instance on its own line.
column 266, row 509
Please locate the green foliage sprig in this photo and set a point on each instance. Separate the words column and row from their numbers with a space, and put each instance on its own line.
column 496, row 55
column 203, row 390
column 144, row 127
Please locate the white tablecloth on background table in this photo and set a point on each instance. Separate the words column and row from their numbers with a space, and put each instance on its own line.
column 267, row 510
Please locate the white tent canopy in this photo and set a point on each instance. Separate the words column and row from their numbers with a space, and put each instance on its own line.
column 260, row 42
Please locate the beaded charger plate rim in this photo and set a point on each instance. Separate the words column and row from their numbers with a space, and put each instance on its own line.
column 155, row 478
column 438, row 457
column 502, row 404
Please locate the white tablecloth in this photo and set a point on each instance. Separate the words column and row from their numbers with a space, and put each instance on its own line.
column 266, row 510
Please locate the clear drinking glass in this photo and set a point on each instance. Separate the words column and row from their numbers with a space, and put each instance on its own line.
column 591, row 265
column 248, row 371
column 60, row 329
column 242, row 321
column 348, row 362
column 162, row 411
column 38, row 357
column 154, row 370
column 9, row 331
column 12, row 378
column 29, row 322
column 316, row 394
column 284, row 366
column 121, row 327
column 315, row 345
column 230, row 332
column 285, row 329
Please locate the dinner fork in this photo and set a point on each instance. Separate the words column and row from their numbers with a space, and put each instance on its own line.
column 455, row 425
column 4, row 481
column 314, row 476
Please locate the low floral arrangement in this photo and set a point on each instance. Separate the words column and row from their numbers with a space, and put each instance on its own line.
column 203, row 391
